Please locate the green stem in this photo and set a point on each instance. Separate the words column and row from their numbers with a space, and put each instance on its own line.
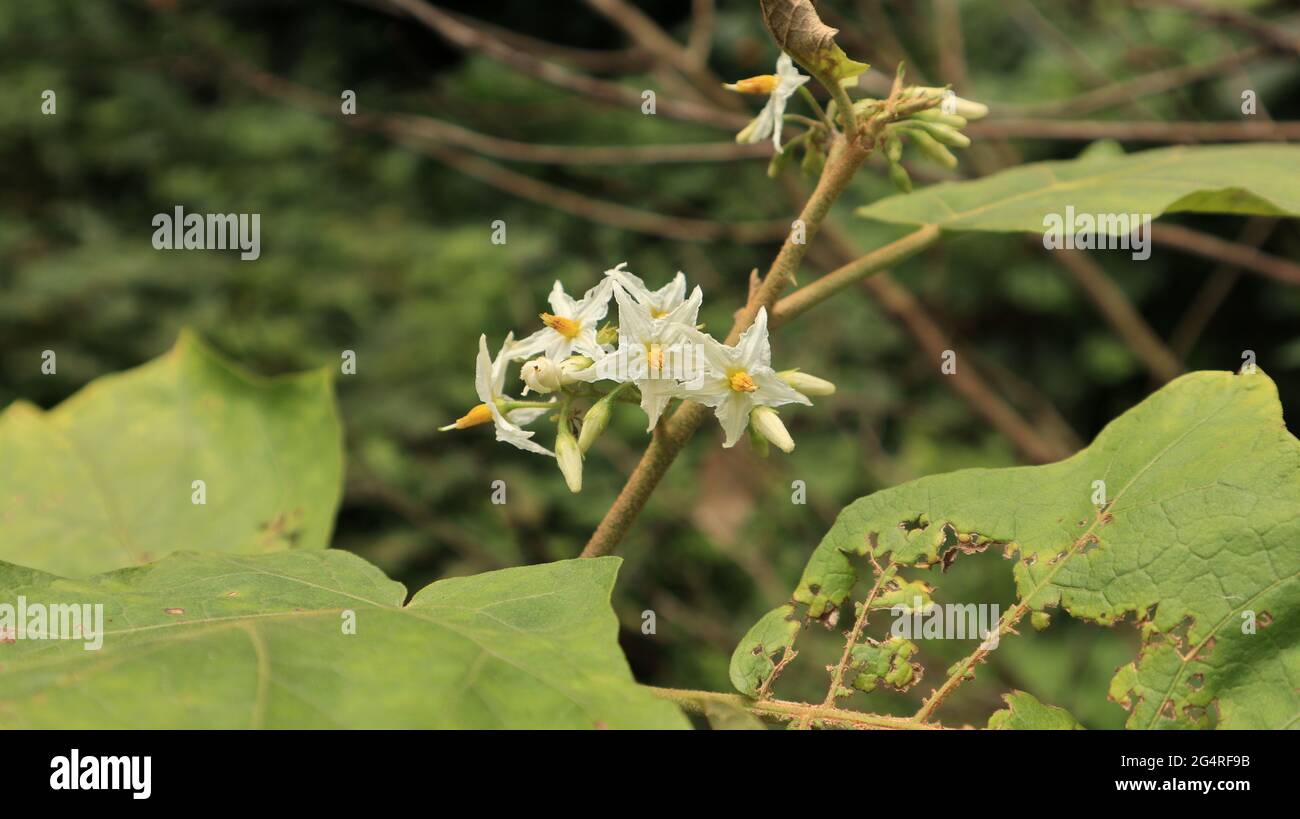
column 816, row 106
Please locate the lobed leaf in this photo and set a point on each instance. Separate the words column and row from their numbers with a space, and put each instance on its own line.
column 209, row 640
column 1198, row 538
column 106, row 479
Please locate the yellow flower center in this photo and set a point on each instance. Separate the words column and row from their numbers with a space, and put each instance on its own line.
column 654, row 355
column 655, row 312
column 479, row 415
column 741, row 382
column 762, row 84
column 566, row 327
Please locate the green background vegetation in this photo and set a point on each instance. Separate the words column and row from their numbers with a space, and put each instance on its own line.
column 381, row 248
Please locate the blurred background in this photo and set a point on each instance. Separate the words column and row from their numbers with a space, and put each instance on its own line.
column 376, row 237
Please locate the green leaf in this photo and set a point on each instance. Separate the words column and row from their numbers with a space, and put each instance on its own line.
column 800, row 32
column 206, row 640
column 1024, row 712
column 106, row 479
column 1254, row 179
column 1198, row 536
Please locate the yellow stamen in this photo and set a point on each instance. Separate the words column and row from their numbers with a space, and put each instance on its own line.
column 741, row 382
column 479, row 415
column 655, row 312
column 564, row 326
column 762, row 84
column 655, row 356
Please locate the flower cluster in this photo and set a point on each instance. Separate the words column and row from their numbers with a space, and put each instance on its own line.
column 656, row 353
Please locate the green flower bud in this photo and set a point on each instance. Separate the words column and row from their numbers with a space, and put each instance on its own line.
column 594, row 423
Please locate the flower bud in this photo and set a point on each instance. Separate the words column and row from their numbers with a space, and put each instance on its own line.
column 807, row 384
column 543, row 375
column 768, row 424
column 594, row 423
column 569, row 457
column 571, row 365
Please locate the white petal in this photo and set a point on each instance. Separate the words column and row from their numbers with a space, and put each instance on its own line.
column 773, row 391
column 655, row 395
column 733, row 414
column 594, row 304
column 483, row 373
column 634, row 325
column 562, row 304
column 499, row 366
column 754, row 349
column 530, row 346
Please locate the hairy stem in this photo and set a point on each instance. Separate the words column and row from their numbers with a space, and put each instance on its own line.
column 843, row 161
column 698, row 702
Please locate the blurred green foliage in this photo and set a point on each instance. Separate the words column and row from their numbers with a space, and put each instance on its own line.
column 371, row 246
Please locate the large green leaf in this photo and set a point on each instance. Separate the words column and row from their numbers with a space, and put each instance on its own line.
column 106, row 479
column 1255, row 179
column 204, row 640
column 1198, row 537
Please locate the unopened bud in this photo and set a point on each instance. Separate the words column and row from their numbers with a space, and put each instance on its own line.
column 807, row 384
column 569, row 457
column 541, row 375
column 594, row 423
column 768, row 424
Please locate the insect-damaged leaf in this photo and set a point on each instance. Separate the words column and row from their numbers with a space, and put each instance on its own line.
column 107, row 478
column 1254, row 179
column 800, row 32
column 1024, row 712
column 204, row 640
column 1198, row 538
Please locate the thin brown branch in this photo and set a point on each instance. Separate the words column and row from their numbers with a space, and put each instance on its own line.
column 1265, row 31
column 1222, row 250
column 1120, row 313
column 1135, row 131
column 1155, row 82
column 469, row 38
column 648, row 34
column 1212, row 294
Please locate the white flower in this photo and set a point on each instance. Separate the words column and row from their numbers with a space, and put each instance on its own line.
column 740, row 378
column 489, row 381
column 572, row 325
column 653, row 353
column 657, row 303
column 782, row 86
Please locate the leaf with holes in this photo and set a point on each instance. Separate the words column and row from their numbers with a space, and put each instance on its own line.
column 1184, row 513
column 317, row 639
column 1025, row 713
column 1254, row 179
column 108, row 478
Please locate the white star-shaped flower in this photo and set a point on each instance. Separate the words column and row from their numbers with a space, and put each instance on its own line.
column 783, row 84
column 572, row 326
column 740, row 378
column 653, row 353
column 489, row 382
column 657, row 303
